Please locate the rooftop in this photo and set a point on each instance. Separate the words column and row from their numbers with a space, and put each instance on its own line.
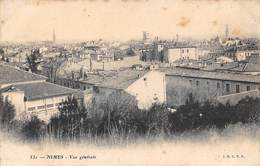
column 9, row 74
column 184, row 72
column 181, row 46
column 43, row 90
column 251, row 65
column 115, row 79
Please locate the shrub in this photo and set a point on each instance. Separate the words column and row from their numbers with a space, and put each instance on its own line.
column 33, row 129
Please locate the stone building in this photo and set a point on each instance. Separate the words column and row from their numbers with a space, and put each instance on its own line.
column 205, row 85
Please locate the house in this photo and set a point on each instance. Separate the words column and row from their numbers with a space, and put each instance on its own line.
column 240, row 53
column 146, row 86
column 175, row 53
column 31, row 94
column 249, row 66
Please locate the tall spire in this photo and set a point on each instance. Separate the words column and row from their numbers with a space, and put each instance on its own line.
column 53, row 36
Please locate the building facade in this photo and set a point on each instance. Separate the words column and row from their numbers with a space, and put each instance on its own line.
column 205, row 85
column 180, row 53
column 31, row 94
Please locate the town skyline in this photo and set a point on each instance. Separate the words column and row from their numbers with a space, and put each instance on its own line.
column 92, row 20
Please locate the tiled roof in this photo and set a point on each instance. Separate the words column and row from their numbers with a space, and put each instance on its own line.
column 250, row 67
column 9, row 74
column 115, row 79
column 43, row 90
column 178, row 71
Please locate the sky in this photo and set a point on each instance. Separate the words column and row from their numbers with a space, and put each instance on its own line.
column 79, row 20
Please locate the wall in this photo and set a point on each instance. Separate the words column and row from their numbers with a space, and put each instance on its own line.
column 17, row 99
column 101, row 94
column 149, row 89
column 45, row 112
column 233, row 99
column 174, row 54
column 178, row 89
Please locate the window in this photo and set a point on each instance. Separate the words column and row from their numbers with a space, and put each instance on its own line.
column 197, row 83
column 218, row 85
column 207, row 83
column 190, row 82
column 187, row 50
column 84, row 87
column 182, row 51
column 247, row 88
column 237, row 89
column 96, row 89
column 49, row 105
column 41, row 107
column 31, row 108
column 227, row 88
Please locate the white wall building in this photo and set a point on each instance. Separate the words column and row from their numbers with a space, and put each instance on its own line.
column 149, row 89
column 181, row 53
column 30, row 93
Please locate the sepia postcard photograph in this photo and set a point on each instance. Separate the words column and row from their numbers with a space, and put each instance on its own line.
column 129, row 82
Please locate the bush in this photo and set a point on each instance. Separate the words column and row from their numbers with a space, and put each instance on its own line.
column 33, row 129
column 7, row 112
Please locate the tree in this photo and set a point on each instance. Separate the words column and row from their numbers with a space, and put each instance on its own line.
column 2, row 54
column 70, row 122
column 33, row 60
column 7, row 111
column 33, row 129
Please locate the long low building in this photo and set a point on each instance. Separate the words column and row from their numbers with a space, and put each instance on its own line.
column 31, row 94
column 205, row 85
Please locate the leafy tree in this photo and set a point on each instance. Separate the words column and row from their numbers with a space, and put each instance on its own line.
column 70, row 122
column 33, row 129
column 7, row 111
column 33, row 60
column 2, row 53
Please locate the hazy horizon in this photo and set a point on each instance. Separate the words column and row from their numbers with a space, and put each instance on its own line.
column 115, row 20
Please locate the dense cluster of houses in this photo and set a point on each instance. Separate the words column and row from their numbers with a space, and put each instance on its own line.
column 162, row 72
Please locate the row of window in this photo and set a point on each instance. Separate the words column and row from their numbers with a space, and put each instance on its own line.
column 248, row 88
column 41, row 107
column 71, row 85
column 182, row 51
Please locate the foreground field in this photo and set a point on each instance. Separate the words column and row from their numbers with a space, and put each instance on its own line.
column 236, row 146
